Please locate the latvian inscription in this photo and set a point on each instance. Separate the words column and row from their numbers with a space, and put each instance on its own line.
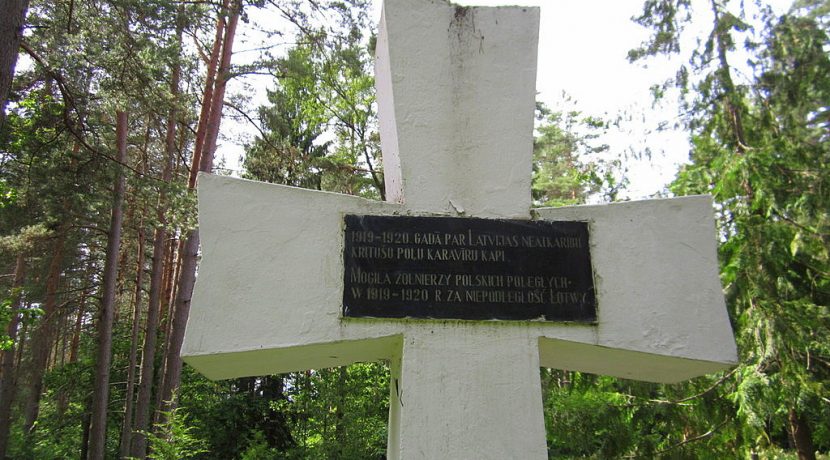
column 464, row 268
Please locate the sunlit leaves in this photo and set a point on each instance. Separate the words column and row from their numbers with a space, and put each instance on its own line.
column 771, row 181
column 567, row 169
column 319, row 129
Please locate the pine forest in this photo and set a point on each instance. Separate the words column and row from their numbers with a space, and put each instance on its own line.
column 110, row 108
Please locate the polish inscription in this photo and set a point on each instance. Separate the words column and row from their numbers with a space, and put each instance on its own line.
column 465, row 268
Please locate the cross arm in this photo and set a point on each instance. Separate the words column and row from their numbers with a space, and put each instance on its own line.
column 662, row 315
column 269, row 288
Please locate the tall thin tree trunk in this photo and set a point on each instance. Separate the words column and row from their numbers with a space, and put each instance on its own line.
column 62, row 397
column 8, row 385
column 187, row 275
column 175, row 249
column 75, row 346
column 801, row 436
column 100, row 399
column 144, row 404
column 145, row 386
column 86, row 420
column 218, row 100
column 127, row 426
column 11, row 32
column 41, row 338
column 339, row 413
column 60, row 329
column 21, row 344
column 167, row 296
column 65, row 328
column 173, row 362
column 207, row 96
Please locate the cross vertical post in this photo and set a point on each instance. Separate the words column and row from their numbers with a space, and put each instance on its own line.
column 457, row 138
column 456, row 90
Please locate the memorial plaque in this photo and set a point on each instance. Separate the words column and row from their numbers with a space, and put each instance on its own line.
column 466, row 268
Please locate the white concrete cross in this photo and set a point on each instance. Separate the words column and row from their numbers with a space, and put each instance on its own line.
column 456, row 101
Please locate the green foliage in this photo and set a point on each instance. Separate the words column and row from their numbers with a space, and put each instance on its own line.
column 319, row 129
column 665, row 19
column 24, row 240
column 5, row 317
column 321, row 414
column 89, row 59
column 63, row 412
column 174, row 439
column 568, row 164
column 230, row 414
column 773, row 192
column 584, row 420
column 759, row 145
column 8, row 195
column 340, row 412
column 259, row 449
column 761, row 148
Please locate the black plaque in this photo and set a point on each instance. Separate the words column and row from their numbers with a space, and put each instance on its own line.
column 464, row 268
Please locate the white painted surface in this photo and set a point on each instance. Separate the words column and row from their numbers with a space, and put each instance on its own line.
column 456, row 95
column 464, row 394
column 269, row 292
column 268, row 297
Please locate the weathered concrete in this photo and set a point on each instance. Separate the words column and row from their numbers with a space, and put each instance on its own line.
column 456, row 91
column 456, row 96
column 269, row 293
column 269, row 296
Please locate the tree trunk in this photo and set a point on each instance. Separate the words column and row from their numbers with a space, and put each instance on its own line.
column 21, row 344
column 75, row 346
column 218, row 101
column 127, row 426
column 169, row 276
column 187, row 279
column 735, row 118
column 176, row 248
column 207, row 96
column 100, row 398
column 85, row 422
column 142, row 414
column 8, row 385
column 65, row 329
column 62, row 397
column 60, row 330
column 11, row 32
column 171, row 268
column 339, row 413
column 145, row 386
column 802, row 438
column 42, row 336
column 187, row 275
